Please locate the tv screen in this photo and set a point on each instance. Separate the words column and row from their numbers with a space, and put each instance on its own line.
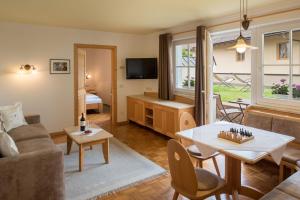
column 141, row 68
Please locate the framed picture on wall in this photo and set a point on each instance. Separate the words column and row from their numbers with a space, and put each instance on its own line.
column 282, row 51
column 60, row 66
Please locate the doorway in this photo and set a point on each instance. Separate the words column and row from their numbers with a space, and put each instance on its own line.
column 230, row 75
column 95, row 83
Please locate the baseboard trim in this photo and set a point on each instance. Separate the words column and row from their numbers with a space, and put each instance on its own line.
column 122, row 123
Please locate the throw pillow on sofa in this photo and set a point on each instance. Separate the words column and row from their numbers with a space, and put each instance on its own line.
column 7, row 145
column 12, row 116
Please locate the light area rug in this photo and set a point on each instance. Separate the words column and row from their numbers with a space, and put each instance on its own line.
column 126, row 168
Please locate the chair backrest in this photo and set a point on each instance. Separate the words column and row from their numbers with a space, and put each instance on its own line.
column 218, row 78
column 239, row 79
column 186, row 121
column 219, row 102
column 181, row 168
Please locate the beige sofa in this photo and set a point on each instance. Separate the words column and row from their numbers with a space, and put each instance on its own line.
column 38, row 172
column 279, row 122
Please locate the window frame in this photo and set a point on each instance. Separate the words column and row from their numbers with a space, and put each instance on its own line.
column 186, row 91
column 258, row 66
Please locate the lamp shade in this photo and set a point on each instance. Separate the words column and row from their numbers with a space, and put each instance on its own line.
column 241, row 46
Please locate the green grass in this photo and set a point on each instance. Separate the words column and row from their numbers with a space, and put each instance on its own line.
column 231, row 94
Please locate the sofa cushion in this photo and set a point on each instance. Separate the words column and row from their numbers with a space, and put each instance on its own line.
column 291, row 154
column 258, row 120
column 37, row 144
column 291, row 185
column 287, row 125
column 278, row 195
column 27, row 132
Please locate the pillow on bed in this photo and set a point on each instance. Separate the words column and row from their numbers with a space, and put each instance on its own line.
column 12, row 116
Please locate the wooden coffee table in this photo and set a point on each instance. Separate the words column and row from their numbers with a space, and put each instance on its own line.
column 101, row 137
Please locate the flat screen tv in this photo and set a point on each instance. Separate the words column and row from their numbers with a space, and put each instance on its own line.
column 141, row 68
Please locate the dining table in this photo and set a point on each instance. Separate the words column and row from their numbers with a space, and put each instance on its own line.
column 264, row 144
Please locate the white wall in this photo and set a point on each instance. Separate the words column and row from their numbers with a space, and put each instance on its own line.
column 98, row 65
column 51, row 96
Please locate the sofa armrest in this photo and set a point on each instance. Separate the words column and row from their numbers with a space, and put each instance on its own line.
column 33, row 119
column 35, row 175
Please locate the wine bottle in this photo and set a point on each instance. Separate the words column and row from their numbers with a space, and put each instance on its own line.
column 82, row 123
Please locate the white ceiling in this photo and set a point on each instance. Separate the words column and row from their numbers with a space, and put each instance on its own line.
column 130, row 16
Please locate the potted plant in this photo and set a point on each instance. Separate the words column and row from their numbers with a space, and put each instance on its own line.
column 296, row 90
column 185, row 82
column 281, row 89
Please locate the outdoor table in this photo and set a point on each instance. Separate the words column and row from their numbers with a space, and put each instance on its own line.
column 241, row 102
column 265, row 143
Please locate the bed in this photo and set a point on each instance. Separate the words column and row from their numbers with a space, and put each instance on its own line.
column 93, row 102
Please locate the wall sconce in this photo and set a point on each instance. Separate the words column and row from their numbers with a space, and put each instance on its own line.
column 88, row 76
column 27, row 69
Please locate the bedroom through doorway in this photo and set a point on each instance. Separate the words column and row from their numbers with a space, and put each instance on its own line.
column 95, row 83
column 98, row 85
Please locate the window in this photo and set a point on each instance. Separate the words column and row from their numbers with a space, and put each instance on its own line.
column 185, row 61
column 281, row 64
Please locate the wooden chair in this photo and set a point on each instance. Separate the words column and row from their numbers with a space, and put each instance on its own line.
column 186, row 180
column 187, row 122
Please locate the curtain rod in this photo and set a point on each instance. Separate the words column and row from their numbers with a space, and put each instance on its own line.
column 235, row 21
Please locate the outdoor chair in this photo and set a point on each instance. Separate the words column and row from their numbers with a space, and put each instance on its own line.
column 227, row 114
column 247, row 83
column 226, row 82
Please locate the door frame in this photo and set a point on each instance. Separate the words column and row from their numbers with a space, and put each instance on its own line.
column 113, row 78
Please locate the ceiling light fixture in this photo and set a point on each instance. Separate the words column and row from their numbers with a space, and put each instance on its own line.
column 241, row 44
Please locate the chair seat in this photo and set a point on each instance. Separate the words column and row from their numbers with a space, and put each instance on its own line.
column 194, row 152
column 231, row 111
column 206, row 180
column 291, row 155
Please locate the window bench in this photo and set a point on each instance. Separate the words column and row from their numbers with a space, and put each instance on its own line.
column 279, row 122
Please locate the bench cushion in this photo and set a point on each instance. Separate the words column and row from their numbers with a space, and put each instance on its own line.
column 291, row 185
column 291, row 154
column 28, row 132
column 258, row 120
column 38, row 144
column 287, row 126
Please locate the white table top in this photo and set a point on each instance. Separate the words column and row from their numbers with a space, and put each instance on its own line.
column 265, row 142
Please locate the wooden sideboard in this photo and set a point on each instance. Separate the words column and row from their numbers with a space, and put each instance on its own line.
column 159, row 115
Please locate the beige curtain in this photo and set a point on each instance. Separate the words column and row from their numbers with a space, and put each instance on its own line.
column 200, row 77
column 165, row 80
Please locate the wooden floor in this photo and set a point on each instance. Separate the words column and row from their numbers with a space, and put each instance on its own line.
column 152, row 145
